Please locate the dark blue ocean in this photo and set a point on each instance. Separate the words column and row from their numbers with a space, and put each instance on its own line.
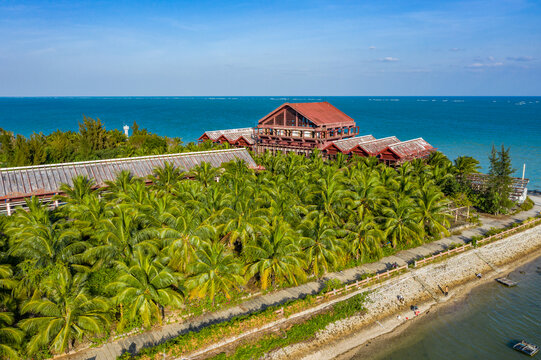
column 455, row 125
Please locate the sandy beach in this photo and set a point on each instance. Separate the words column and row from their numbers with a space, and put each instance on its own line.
column 386, row 317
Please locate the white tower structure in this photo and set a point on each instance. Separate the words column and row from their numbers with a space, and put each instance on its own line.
column 126, row 130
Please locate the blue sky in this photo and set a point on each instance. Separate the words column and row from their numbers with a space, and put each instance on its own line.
column 122, row 48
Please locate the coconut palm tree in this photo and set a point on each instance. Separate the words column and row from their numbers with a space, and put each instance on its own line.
column 330, row 194
column 324, row 251
column 466, row 165
column 431, row 210
column 10, row 336
column 275, row 256
column 88, row 213
column 123, row 181
column 401, row 222
column 365, row 234
column 166, row 177
column 36, row 213
column 64, row 314
column 205, row 173
column 7, row 282
column 180, row 239
column 120, row 235
column 45, row 244
column 367, row 188
column 80, row 188
column 240, row 222
column 145, row 286
column 215, row 270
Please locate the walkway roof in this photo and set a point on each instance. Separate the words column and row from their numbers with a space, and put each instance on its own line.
column 26, row 181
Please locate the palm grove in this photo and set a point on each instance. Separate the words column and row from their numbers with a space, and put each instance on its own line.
column 123, row 256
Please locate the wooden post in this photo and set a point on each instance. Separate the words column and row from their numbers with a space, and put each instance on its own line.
column 8, row 208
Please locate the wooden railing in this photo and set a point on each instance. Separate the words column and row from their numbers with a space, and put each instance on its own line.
column 481, row 241
column 459, row 212
column 360, row 283
column 443, row 253
column 509, row 232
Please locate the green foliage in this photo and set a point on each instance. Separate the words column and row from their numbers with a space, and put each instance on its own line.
column 496, row 196
column 466, row 165
column 91, row 142
column 298, row 332
column 528, row 204
column 331, row 285
column 189, row 246
column 63, row 314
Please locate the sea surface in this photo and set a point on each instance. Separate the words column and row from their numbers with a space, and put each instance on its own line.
column 484, row 325
column 454, row 125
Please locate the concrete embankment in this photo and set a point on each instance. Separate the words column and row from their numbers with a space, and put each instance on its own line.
column 423, row 287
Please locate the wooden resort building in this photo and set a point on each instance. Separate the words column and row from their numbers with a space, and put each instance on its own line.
column 303, row 127
column 44, row 181
column 344, row 146
column 398, row 153
column 243, row 137
column 369, row 147
column 374, row 148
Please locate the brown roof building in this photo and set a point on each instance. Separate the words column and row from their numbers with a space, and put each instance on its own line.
column 398, row 153
column 302, row 127
column 344, row 146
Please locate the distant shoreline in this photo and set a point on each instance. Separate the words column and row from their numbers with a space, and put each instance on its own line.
column 365, row 334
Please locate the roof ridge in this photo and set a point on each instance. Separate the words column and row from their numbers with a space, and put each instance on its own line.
column 145, row 157
column 407, row 141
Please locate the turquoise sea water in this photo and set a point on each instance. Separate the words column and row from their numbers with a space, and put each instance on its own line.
column 455, row 125
column 484, row 325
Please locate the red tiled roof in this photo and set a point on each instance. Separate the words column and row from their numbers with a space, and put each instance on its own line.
column 411, row 148
column 374, row 147
column 320, row 113
column 345, row 145
column 215, row 134
column 233, row 136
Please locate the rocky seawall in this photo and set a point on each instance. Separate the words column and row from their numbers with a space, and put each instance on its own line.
column 424, row 288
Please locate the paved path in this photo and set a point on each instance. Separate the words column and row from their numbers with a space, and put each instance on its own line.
column 135, row 343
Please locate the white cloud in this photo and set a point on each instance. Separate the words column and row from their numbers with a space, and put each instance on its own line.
column 388, row 59
column 372, row 48
column 455, row 49
column 479, row 65
column 520, row 58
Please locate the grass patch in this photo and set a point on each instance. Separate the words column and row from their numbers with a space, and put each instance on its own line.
column 298, row 332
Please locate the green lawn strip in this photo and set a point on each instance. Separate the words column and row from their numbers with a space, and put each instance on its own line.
column 211, row 334
column 206, row 336
column 298, row 332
